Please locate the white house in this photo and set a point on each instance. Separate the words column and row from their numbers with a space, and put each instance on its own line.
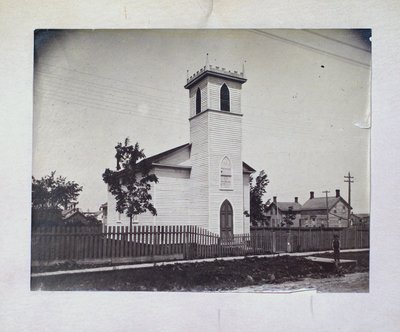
column 277, row 211
column 203, row 182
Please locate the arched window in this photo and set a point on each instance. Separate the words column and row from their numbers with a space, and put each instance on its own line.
column 225, row 100
column 198, row 101
column 226, row 174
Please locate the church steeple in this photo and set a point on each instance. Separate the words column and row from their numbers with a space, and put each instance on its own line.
column 218, row 88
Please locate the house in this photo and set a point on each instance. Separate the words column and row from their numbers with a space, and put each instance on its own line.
column 277, row 212
column 314, row 212
column 103, row 210
column 94, row 216
column 205, row 181
column 74, row 217
column 360, row 219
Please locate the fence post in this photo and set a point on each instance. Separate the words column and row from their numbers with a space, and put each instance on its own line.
column 273, row 241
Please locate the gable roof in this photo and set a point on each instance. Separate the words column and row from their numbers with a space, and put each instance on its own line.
column 319, row 203
column 247, row 168
column 154, row 160
column 71, row 213
column 284, row 206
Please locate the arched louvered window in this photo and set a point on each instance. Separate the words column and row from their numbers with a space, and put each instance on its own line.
column 198, row 101
column 225, row 100
column 226, row 174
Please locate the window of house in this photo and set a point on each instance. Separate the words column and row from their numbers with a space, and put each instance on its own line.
column 198, row 101
column 226, row 174
column 225, row 100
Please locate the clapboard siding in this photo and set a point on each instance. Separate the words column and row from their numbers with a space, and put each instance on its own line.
column 177, row 158
column 204, row 97
column 171, row 199
column 225, row 140
column 214, row 87
column 199, row 157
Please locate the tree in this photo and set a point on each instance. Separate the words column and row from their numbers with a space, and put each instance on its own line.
column 288, row 217
column 257, row 205
column 131, row 183
column 50, row 192
column 50, row 195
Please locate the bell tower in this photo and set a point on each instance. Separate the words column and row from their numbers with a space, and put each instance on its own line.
column 216, row 153
column 215, row 88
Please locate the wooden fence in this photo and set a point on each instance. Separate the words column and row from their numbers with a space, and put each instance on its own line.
column 297, row 239
column 101, row 244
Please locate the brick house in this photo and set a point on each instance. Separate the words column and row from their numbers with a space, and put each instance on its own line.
column 314, row 211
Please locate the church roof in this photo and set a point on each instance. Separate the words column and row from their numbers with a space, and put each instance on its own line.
column 247, row 168
column 154, row 160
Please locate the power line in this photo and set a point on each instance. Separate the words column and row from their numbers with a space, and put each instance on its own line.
column 108, row 87
column 98, row 97
column 94, row 95
column 105, row 77
column 337, row 41
column 112, row 110
column 124, row 108
column 314, row 49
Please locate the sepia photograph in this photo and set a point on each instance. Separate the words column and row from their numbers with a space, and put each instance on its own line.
column 212, row 160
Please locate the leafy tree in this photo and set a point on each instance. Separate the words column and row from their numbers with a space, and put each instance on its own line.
column 54, row 193
column 92, row 221
column 257, row 205
column 288, row 217
column 131, row 183
column 50, row 195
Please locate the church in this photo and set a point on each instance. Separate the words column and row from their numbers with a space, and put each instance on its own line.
column 204, row 182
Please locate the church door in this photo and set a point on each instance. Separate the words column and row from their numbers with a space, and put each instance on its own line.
column 226, row 220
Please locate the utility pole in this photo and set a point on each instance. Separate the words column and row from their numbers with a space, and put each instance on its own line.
column 349, row 180
column 326, row 192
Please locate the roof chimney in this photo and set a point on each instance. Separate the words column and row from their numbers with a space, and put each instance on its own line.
column 274, row 199
column 337, row 193
column 296, row 199
column 311, row 194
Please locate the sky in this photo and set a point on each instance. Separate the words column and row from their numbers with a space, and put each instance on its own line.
column 306, row 103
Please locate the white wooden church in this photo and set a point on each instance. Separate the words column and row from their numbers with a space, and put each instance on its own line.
column 204, row 182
